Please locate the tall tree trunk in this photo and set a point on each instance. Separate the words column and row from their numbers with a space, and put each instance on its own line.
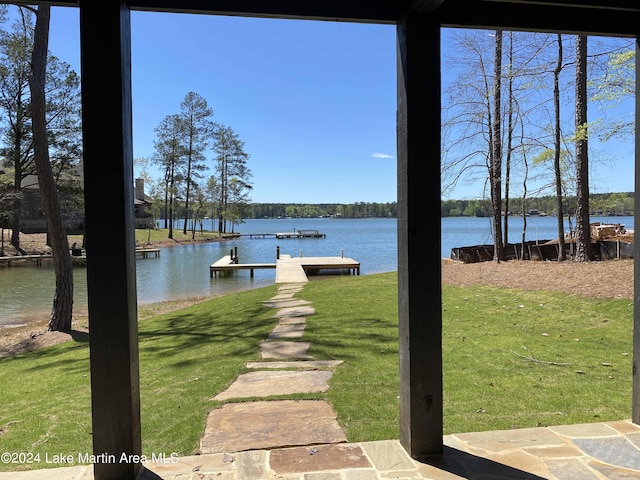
column 63, row 300
column 524, row 204
column 583, row 233
column 556, row 159
column 496, row 156
column 507, row 166
column 186, row 200
column 17, row 190
column 171, row 198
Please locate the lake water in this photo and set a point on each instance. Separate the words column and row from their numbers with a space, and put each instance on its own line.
column 183, row 272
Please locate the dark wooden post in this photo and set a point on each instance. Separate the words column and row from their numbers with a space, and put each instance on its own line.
column 419, row 263
column 635, row 403
column 110, row 236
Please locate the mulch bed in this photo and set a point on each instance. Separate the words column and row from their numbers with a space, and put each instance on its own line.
column 606, row 279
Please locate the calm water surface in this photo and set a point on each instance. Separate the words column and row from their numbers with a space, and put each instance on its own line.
column 183, row 272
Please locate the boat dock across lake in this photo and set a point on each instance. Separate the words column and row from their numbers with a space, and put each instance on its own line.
column 294, row 234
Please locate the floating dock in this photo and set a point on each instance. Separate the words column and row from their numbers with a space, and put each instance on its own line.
column 288, row 269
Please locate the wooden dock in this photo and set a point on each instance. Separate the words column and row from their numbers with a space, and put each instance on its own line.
column 20, row 259
column 38, row 259
column 280, row 235
column 145, row 252
column 227, row 264
column 289, row 269
column 76, row 259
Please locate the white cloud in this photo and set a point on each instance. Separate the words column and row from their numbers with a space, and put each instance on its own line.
column 381, row 155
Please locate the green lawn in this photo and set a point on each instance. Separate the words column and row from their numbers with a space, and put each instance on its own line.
column 512, row 359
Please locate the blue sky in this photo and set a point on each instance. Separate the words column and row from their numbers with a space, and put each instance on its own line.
column 314, row 102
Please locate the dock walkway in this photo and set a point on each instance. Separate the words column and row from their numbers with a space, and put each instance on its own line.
column 227, row 264
column 38, row 259
column 288, row 269
column 145, row 252
column 282, row 235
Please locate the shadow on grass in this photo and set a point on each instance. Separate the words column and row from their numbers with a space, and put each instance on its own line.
column 373, row 335
column 186, row 339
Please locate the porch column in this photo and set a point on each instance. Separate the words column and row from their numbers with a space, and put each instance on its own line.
column 110, row 236
column 635, row 403
column 419, row 263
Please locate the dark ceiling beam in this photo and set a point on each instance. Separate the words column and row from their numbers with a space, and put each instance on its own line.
column 591, row 17
column 540, row 15
column 620, row 5
column 370, row 11
column 425, row 6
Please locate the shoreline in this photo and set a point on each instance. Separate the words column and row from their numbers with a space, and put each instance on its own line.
column 30, row 332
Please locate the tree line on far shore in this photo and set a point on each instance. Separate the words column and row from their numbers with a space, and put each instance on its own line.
column 338, row 210
column 603, row 204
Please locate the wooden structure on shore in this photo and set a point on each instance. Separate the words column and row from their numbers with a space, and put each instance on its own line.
column 604, row 248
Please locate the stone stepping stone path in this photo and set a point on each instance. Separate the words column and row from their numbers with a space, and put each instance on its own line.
column 282, row 382
column 297, row 311
column 286, row 368
column 287, row 330
column 300, row 365
column 284, row 350
column 265, row 425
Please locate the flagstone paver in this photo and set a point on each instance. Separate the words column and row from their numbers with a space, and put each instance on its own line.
column 270, row 383
column 284, row 350
column 298, row 364
column 309, row 459
column 291, row 320
column 270, row 424
column 294, row 302
column 280, row 332
column 299, row 311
